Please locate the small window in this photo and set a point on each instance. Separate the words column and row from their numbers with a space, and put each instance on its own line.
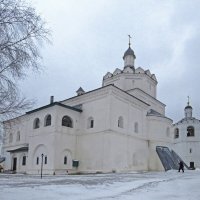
column 36, row 123
column 136, row 127
column 190, row 131
column 90, row 122
column 65, row 160
column 120, row 122
column 67, row 121
column 176, row 133
column 45, row 160
column 47, row 120
column 10, row 138
column 18, row 136
column 37, row 161
column 24, row 160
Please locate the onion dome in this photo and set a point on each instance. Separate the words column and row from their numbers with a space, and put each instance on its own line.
column 188, row 107
column 129, row 56
column 188, row 110
column 129, row 52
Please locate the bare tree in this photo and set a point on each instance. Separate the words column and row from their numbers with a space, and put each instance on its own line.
column 22, row 32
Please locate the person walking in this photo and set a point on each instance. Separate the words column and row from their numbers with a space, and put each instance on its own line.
column 181, row 166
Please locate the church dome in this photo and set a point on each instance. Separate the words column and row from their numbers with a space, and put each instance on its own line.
column 188, row 107
column 130, row 52
column 188, row 110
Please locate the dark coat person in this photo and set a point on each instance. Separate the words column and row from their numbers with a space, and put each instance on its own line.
column 181, row 166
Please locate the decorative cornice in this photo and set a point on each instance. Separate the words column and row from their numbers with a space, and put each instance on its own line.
column 134, row 73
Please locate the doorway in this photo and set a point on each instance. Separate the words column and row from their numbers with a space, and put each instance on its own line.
column 192, row 165
column 14, row 164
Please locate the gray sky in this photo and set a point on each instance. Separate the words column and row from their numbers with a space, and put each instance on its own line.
column 90, row 36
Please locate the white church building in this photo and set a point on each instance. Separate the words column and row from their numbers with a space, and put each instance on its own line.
column 114, row 128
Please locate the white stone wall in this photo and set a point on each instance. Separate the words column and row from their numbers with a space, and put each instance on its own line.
column 111, row 151
column 160, row 129
column 159, row 134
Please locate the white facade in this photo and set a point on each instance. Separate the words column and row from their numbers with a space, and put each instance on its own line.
column 187, row 138
column 113, row 128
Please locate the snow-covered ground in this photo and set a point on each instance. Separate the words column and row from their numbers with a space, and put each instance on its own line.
column 169, row 185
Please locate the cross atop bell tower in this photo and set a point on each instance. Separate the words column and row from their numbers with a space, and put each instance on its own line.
column 129, row 44
column 188, row 103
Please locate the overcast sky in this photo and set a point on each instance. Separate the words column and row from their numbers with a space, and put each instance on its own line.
column 89, row 38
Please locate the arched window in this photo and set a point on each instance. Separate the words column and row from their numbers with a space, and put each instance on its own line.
column 18, row 136
column 67, row 121
column 176, row 133
column 36, row 123
column 120, row 122
column 10, row 138
column 90, row 122
column 37, row 161
column 47, row 120
column 136, row 127
column 65, row 160
column 190, row 131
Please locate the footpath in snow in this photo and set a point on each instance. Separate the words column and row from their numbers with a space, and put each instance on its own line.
column 169, row 185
